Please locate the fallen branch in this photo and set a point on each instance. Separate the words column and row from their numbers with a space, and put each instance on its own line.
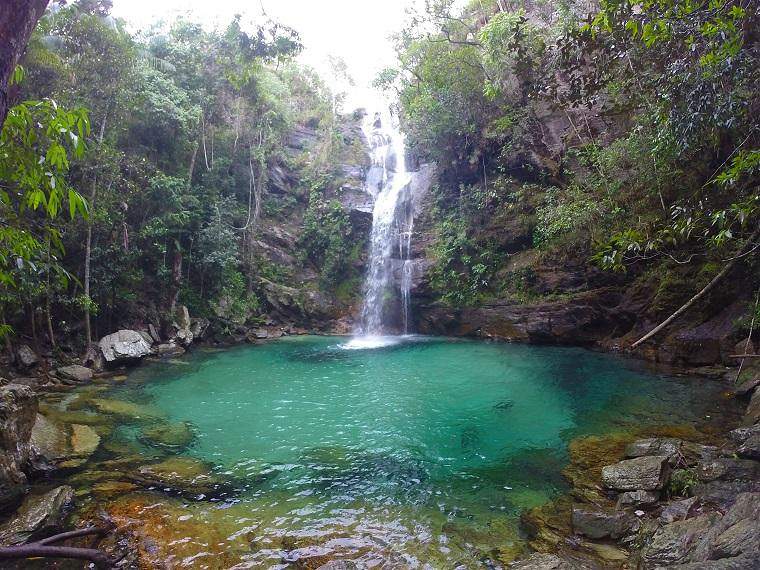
column 699, row 295
column 43, row 549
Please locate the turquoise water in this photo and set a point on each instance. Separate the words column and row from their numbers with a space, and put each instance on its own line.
column 423, row 451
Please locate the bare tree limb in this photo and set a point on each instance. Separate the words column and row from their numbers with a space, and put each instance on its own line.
column 699, row 295
column 43, row 549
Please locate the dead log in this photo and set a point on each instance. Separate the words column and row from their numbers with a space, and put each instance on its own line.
column 695, row 298
column 44, row 548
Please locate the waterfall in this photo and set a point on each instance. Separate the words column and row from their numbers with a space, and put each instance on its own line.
column 389, row 272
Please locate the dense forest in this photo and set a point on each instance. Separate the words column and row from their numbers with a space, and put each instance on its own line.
column 623, row 140
column 161, row 156
column 627, row 137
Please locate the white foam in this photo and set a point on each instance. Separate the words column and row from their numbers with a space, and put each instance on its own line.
column 366, row 342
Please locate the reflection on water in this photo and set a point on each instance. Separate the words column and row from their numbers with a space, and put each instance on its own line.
column 420, row 452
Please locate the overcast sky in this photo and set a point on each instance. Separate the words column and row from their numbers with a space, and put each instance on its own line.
column 356, row 30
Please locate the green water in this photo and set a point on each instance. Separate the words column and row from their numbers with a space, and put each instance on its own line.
column 422, row 452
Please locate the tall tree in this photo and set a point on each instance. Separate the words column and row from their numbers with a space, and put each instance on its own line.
column 17, row 20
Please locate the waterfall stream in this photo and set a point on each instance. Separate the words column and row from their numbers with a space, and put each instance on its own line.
column 386, row 304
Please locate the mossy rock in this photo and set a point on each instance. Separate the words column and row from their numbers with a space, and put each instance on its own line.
column 186, row 476
column 126, row 411
column 175, row 436
column 111, row 489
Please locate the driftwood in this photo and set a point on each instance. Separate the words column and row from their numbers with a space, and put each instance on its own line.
column 44, row 549
column 701, row 294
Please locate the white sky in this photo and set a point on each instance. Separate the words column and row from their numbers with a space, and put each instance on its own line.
column 356, row 30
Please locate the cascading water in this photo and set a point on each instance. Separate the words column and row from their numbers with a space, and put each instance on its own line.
column 389, row 274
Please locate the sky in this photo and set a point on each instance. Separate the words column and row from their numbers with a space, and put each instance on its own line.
column 356, row 30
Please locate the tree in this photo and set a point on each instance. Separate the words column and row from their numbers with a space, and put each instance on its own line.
column 17, row 20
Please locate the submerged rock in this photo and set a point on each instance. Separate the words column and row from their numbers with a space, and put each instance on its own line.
column 339, row 565
column 126, row 411
column 183, row 475
column 642, row 473
column 62, row 446
column 18, row 409
column 540, row 561
column 84, row 440
column 76, row 372
column 171, row 436
column 38, row 517
column 124, row 345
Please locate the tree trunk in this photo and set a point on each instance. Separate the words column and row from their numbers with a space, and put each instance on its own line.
column 17, row 20
column 48, row 315
column 87, row 257
column 176, row 278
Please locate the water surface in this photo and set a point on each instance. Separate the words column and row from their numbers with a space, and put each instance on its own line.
column 424, row 452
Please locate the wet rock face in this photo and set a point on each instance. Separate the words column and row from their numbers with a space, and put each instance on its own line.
column 646, row 473
column 40, row 516
column 18, row 409
column 124, row 345
column 582, row 320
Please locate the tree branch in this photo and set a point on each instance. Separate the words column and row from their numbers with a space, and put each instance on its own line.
column 43, row 549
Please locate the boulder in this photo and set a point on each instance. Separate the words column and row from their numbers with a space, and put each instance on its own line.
column 721, row 481
column 26, row 357
column 182, row 316
column 744, row 562
column 673, row 542
column 75, row 372
column 748, row 385
column 742, row 537
column 62, row 446
column 597, row 523
column 38, row 517
column 199, row 327
column 678, row 510
column 750, row 449
column 736, row 533
column 637, row 499
column 642, row 473
column 18, row 409
column 153, row 332
column 677, row 450
column 182, row 323
column 752, row 415
column 170, row 349
column 742, row 434
column 124, row 345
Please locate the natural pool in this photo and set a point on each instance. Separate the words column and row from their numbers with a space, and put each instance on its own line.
column 418, row 454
